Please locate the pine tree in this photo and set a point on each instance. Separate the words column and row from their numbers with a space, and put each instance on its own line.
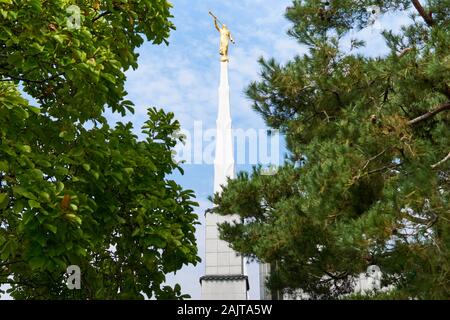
column 367, row 179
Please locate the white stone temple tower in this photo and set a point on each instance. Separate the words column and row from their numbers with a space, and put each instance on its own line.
column 224, row 277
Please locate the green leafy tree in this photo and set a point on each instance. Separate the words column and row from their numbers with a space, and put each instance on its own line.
column 367, row 179
column 73, row 189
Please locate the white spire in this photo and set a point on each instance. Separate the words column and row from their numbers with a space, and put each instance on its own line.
column 224, row 157
column 224, row 272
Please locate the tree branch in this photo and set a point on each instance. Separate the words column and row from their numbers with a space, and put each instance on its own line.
column 10, row 262
column 12, row 78
column 434, row 166
column 425, row 15
column 391, row 166
column 404, row 51
column 447, row 91
column 442, row 107
column 340, row 276
column 105, row 13
column 374, row 157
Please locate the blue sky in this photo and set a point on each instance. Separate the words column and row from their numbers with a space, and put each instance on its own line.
column 184, row 76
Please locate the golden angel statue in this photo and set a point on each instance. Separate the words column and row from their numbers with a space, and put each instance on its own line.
column 225, row 37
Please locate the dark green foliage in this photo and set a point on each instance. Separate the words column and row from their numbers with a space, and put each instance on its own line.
column 367, row 181
column 78, row 193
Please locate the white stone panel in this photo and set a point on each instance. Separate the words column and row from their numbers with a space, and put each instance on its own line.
column 224, row 290
column 235, row 260
column 223, row 259
column 212, row 232
column 211, row 270
column 222, row 246
column 211, row 259
column 237, row 269
column 211, row 245
column 223, row 270
column 212, row 219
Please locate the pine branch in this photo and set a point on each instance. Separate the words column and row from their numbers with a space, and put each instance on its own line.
column 339, row 276
column 374, row 157
column 434, row 166
column 391, row 166
column 442, row 107
column 425, row 15
column 404, row 52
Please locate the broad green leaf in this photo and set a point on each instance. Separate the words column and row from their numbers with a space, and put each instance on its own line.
column 19, row 191
column 129, row 170
column 34, row 204
column 73, row 218
column 4, row 166
column 18, row 206
column 4, row 199
column 44, row 195
column 44, row 163
column 51, row 227
column 36, row 5
column 35, row 110
column 37, row 262
column 59, row 187
column 24, row 148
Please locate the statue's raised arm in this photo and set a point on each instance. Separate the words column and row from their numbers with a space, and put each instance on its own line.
column 215, row 21
column 216, row 25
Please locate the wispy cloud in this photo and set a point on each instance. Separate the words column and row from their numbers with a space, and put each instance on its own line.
column 183, row 77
